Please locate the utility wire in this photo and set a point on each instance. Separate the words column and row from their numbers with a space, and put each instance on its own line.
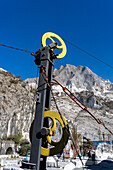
column 15, row 48
column 93, row 56
column 88, row 53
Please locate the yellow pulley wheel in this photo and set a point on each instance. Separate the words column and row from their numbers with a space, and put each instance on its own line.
column 50, row 35
column 57, row 147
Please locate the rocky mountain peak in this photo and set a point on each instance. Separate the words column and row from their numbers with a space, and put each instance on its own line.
column 18, row 98
column 82, row 78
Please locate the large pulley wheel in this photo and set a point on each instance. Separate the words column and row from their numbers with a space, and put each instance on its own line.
column 56, row 147
column 49, row 35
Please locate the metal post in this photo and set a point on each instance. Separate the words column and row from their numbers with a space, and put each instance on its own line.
column 47, row 106
column 43, row 101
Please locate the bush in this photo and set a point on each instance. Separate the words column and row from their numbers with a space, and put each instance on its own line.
column 17, row 138
column 24, row 149
column 24, row 142
column 11, row 156
column 10, row 137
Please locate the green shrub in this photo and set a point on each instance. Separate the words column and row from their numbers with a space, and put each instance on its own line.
column 24, row 149
column 17, row 138
column 10, row 137
column 24, row 142
column 11, row 156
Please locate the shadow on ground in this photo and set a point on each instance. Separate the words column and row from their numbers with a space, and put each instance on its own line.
column 104, row 165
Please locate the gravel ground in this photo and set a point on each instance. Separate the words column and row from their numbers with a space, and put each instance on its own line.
column 104, row 165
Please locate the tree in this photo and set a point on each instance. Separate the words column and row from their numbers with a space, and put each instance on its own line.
column 25, row 147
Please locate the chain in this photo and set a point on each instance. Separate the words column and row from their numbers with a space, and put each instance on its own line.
column 46, row 79
column 68, row 131
column 81, row 105
column 77, row 101
column 74, row 98
column 107, row 128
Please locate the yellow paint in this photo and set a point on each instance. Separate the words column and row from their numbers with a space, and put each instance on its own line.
column 45, row 151
column 53, row 115
column 63, row 46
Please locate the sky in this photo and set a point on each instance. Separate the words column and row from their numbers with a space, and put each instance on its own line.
column 86, row 23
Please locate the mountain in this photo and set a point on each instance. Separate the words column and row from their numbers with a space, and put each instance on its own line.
column 17, row 101
column 16, row 104
column 83, row 79
column 95, row 92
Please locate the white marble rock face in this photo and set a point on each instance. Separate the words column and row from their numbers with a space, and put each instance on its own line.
column 17, row 101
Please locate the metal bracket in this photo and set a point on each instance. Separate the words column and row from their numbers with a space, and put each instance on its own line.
column 43, row 132
column 41, row 54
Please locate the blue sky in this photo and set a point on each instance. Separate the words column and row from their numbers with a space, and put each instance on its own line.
column 86, row 23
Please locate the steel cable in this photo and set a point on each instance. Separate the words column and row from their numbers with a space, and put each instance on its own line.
column 16, row 48
column 91, row 55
